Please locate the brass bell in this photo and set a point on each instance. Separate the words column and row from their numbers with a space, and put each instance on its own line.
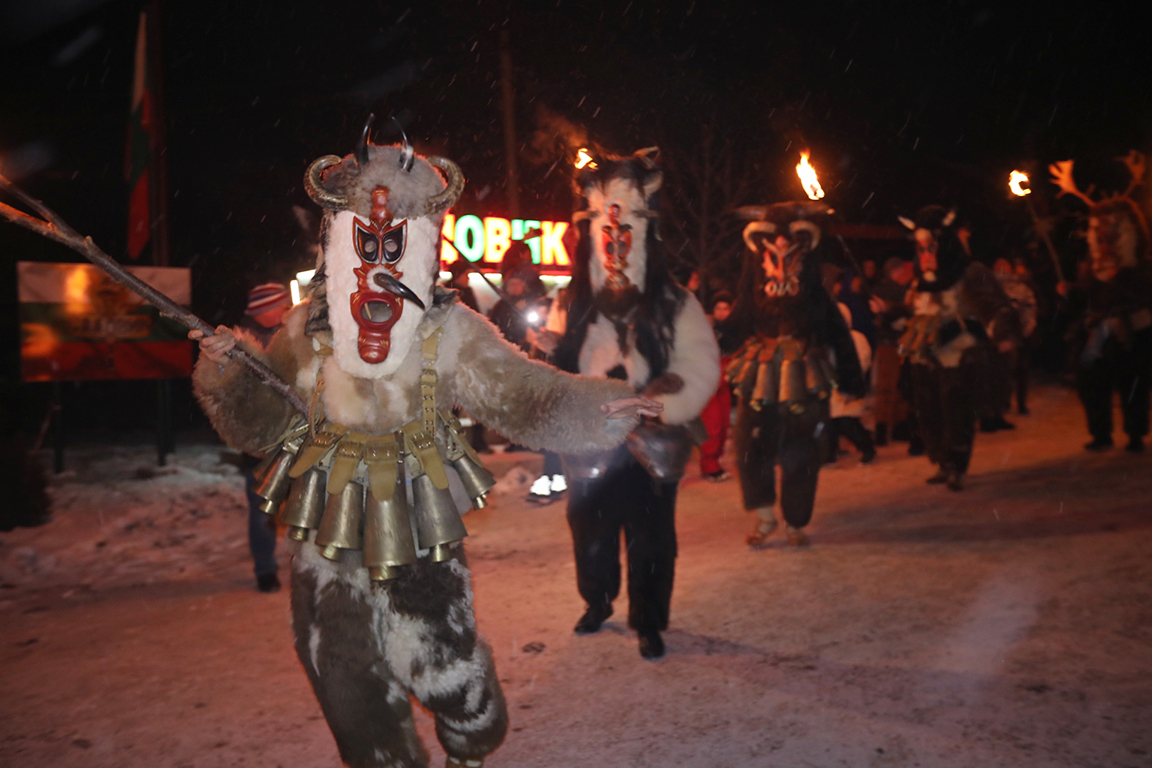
column 814, row 378
column 340, row 526
column 388, row 533
column 476, row 478
column 274, row 487
column 305, row 502
column 441, row 552
column 792, row 381
column 437, row 520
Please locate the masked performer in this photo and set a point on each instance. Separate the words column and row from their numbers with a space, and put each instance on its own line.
column 959, row 314
column 797, row 348
column 629, row 320
column 370, row 484
column 1116, row 333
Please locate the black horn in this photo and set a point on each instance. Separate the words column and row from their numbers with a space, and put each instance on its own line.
column 407, row 153
column 362, row 145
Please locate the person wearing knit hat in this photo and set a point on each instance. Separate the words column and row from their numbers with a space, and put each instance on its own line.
column 267, row 304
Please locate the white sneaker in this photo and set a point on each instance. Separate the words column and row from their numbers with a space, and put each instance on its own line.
column 559, row 484
column 541, row 487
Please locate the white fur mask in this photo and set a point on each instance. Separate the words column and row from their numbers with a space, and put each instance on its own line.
column 618, row 223
column 352, row 285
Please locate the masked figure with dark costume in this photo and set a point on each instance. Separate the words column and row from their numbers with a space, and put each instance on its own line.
column 797, row 347
column 628, row 320
column 1116, row 332
column 959, row 313
column 371, row 483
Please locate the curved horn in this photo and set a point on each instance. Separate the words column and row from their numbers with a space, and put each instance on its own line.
column 314, row 185
column 810, row 228
column 407, row 153
column 767, row 227
column 444, row 200
column 907, row 223
column 362, row 145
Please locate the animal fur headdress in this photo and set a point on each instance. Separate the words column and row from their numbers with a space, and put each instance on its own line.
column 941, row 257
column 619, row 269
column 379, row 250
column 1118, row 234
column 786, row 243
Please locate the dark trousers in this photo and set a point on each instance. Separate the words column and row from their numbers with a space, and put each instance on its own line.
column 261, row 530
column 552, row 464
column 1001, row 380
column 627, row 499
column 1122, row 370
column 795, row 441
column 1023, row 369
column 946, row 401
column 853, row 429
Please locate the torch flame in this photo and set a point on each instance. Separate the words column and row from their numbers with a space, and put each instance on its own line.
column 1015, row 180
column 808, row 178
column 584, row 159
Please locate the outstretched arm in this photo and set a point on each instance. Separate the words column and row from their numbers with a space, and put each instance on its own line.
column 247, row 414
column 530, row 402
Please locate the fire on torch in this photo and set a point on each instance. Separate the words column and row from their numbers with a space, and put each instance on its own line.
column 1016, row 180
column 584, row 160
column 808, row 178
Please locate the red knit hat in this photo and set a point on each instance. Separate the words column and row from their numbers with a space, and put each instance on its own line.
column 265, row 297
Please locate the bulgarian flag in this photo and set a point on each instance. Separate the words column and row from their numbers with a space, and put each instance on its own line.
column 139, row 150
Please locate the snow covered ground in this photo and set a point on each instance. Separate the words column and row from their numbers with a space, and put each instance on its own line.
column 1007, row 625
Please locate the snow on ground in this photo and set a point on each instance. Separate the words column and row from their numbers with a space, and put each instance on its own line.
column 1007, row 625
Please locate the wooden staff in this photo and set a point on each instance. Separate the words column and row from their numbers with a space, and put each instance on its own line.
column 51, row 226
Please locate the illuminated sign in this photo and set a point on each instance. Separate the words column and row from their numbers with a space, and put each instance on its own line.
column 487, row 240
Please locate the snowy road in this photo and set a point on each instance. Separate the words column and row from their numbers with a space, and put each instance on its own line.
column 1007, row 625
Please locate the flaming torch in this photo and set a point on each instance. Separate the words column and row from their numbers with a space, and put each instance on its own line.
column 1016, row 182
column 808, row 178
column 584, row 160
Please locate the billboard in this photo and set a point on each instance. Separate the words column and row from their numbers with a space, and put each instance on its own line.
column 77, row 323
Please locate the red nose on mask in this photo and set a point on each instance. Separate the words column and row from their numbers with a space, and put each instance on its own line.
column 379, row 244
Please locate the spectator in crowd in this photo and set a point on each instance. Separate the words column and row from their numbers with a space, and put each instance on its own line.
column 718, row 412
column 847, row 414
column 263, row 316
column 890, row 309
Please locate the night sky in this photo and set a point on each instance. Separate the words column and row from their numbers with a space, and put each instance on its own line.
column 901, row 104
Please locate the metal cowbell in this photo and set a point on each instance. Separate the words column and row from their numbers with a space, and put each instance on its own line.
column 438, row 522
column 305, row 504
column 274, row 487
column 388, row 541
column 476, row 478
column 793, row 385
column 340, row 526
column 814, row 379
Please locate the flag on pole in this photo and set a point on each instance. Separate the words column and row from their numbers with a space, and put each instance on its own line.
column 136, row 162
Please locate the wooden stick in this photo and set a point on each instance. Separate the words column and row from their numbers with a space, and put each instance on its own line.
column 51, row 226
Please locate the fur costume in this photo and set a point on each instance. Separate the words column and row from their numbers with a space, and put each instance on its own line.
column 960, row 313
column 797, row 348
column 381, row 596
column 629, row 320
column 1115, row 335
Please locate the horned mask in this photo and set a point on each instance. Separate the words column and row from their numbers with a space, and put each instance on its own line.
column 1118, row 235
column 619, row 200
column 782, row 236
column 380, row 249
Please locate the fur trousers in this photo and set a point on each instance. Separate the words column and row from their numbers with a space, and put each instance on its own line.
column 367, row 648
column 795, row 441
column 626, row 499
column 946, row 405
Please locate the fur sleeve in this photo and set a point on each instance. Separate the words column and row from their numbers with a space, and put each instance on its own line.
column 247, row 414
column 695, row 357
column 530, row 402
column 983, row 297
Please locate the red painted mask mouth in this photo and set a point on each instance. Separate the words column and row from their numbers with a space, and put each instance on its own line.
column 617, row 241
column 375, row 308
